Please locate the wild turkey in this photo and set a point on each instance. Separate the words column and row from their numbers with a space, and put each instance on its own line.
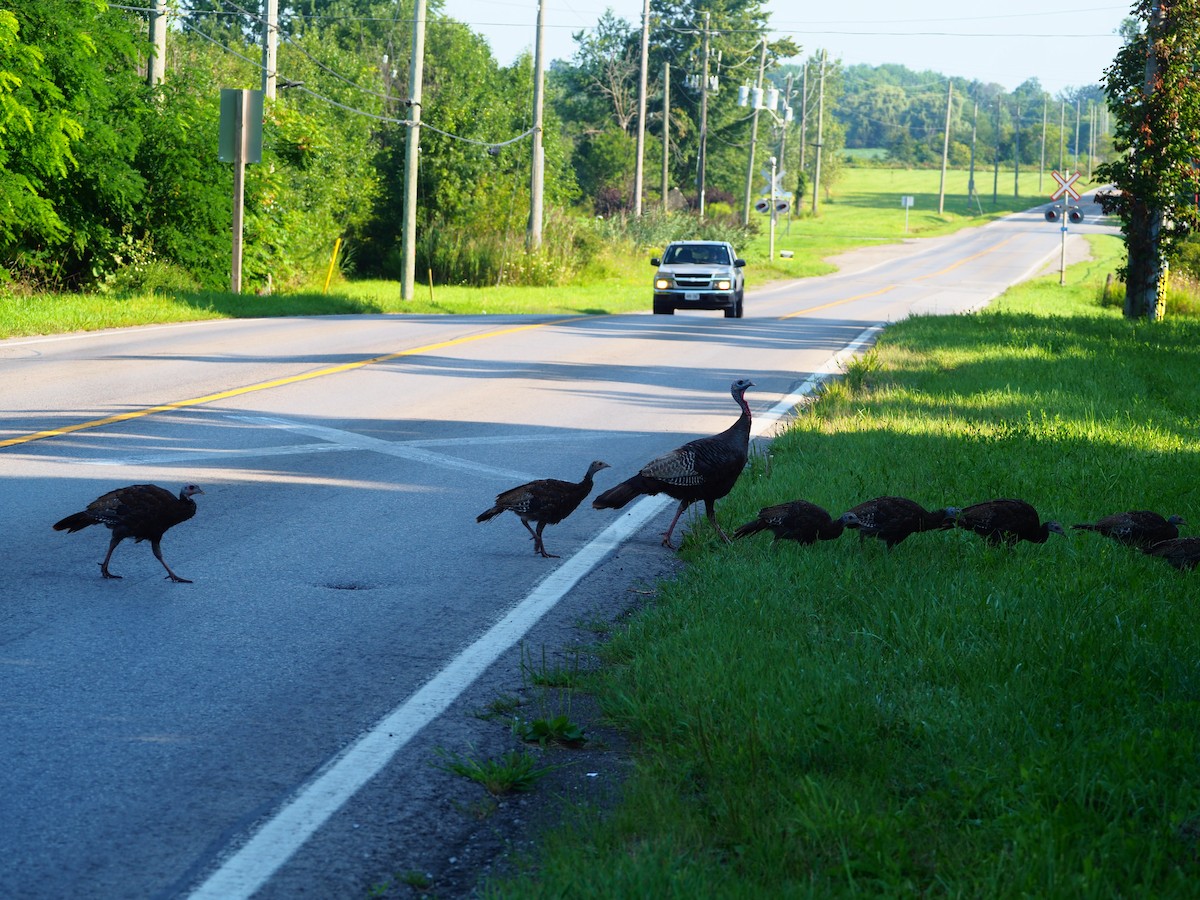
column 799, row 521
column 143, row 512
column 892, row 519
column 546, row 501
column 1182, row 553
column 1137, row 528
column 1006, row 521
column 704, row 469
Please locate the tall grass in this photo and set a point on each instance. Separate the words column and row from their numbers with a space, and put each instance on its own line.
column 946, row 718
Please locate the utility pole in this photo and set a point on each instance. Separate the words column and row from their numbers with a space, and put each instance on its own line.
column 270, row 48
column 1017, row 153
column 820, row 134
column 945, row 148
column 666, row 136
column 156, row 66
column 1091, row 136
column 1062, row 136
column 700, row 162
column 971, row 192
column 803, row 113
column 762, row 65
column 1077, row 133
column 787, row 102
column 533, row 239
column 641, row 132
column 1042, row 164
column 412, row 146
column 996, row 175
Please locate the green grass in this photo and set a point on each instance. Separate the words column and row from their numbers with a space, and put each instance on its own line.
column 512, row 772
column 864, row 210
column 948, row 718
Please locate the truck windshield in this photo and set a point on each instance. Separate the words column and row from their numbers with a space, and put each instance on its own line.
column 707, row 254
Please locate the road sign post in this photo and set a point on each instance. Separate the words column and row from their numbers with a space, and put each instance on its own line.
column 1065, row 186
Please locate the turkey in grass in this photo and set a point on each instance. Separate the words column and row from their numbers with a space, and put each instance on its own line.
column 1182, row 553
column 1137, row 527
column 1006, row 521
column 798, row 520
column 546, row 501
column 892, row 519
column 704, row 469
column 143, row 512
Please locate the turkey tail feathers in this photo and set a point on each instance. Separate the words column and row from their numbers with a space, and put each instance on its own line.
column 751, row 528
column 489, row 514
column 617, row 497
column 74, row 522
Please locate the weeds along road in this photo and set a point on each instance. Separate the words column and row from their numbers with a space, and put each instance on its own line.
column 273, row 726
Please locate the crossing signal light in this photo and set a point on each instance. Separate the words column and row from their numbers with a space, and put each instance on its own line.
column 782, row 207
column 762, row 206
column 1075, row 215
column 1052, row 215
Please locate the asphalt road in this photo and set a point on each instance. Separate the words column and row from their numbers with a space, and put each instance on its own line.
column 271, row 727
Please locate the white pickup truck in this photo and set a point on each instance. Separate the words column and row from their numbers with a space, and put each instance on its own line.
column 699, row 275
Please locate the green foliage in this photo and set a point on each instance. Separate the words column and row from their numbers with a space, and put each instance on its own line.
column 1158, row 134
column 67, row 74
column 605, row 159
column 555, row 730
column 516, row 771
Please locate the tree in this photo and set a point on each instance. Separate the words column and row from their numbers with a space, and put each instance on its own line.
column 1154, row 92
column 66, row 181
column 607, row 66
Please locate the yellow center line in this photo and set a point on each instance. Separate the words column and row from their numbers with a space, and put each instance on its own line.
column 267, row 385
column 883, row 290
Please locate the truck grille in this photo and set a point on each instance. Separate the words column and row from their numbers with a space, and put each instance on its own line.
column 697, row 282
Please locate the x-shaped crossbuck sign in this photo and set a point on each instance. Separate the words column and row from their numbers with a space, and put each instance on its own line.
column 1064, row 185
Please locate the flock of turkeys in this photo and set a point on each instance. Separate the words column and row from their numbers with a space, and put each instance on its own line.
column 705, row 470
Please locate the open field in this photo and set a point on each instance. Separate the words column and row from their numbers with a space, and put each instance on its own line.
column 949, row 717
column 864, row 210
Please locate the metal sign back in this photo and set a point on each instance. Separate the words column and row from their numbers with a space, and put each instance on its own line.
column 246, row 106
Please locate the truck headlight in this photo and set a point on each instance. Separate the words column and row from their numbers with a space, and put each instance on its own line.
column 662, row 284
column 724, row 284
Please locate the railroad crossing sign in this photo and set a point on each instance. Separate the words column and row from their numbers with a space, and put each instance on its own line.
column 1065, row 183
column 774, row 188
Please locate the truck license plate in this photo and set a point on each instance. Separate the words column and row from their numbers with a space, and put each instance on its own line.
column 691, row 295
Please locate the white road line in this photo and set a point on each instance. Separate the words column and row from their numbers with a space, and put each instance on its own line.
column 191, row 456
column 391, row 448
column 275, row 841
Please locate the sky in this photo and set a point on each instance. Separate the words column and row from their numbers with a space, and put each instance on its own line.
column 1062, row 43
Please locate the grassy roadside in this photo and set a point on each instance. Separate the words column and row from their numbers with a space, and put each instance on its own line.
column 946, row 718
column 864, row 211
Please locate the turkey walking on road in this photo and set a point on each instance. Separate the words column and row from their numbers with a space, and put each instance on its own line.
column 547, row 502
column 1006, row 521
column 892, row 519
column 704, row 469
column 1137, row 528
column 143, row 512
column 1182, row 553
column 798, row 520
